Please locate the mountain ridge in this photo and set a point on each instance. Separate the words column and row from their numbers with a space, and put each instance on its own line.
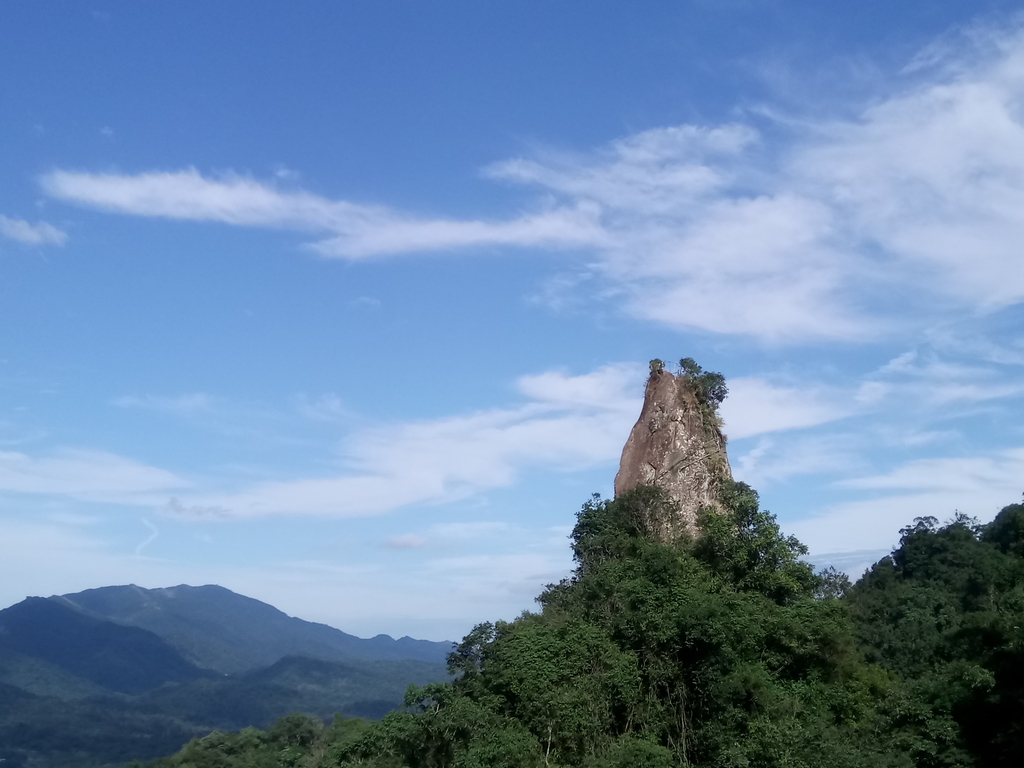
column 220, row 630
column 122, row 659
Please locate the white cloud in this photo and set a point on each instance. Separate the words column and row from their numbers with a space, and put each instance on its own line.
column 86, row 475
column 468, row 531
column 823, row 229
column 567, row 423
column 932, row 382
column 443, row 596
column 871, row 392
column 770, row 461
column 935, row 175
column 917, row 197
column 327, row 407
column 187, row 195
column 174, row 508
column 613, row 387
column 832, row 228
column 955, row 475
column 978, row 486
column 447, row 534
column 570, row 423
column 39, row 233
column 357, row 231
column 660, row 172
column 756, row 406
column 1006, row 352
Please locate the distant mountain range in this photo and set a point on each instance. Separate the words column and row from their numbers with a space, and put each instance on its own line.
column 112, row 674
column 218, row 629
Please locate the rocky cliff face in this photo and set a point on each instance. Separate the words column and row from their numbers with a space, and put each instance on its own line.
column 678, row 445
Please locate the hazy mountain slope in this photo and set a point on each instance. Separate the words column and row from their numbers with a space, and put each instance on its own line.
column 293, row 684
column 218, row 629
column 45, row 732
column 43, row 678
column 119, row 658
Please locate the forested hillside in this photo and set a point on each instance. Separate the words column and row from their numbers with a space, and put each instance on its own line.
column 79, row 690
column 726, row 650
column 117, row 658
column 944, row 615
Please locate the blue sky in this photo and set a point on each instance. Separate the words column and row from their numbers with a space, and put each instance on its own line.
column 348, row 306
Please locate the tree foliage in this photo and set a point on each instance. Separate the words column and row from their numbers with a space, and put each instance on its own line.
column 709, row 386
column 945, row 613
column 723, row 650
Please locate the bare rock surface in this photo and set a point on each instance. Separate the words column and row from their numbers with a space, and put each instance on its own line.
column 677, row 444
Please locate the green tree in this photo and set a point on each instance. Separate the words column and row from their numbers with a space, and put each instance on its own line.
column 710, row 652
column 944, row 613
column 709, row 386
column 722, row 650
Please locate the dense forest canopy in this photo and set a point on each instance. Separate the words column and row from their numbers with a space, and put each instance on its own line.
column 723, row 650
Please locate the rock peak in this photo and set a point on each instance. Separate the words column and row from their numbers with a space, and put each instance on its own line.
column 677, row 443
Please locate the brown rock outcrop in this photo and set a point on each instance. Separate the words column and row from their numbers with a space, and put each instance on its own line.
column 677, row 444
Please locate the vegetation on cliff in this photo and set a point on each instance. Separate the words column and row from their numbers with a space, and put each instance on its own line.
column 708, row 386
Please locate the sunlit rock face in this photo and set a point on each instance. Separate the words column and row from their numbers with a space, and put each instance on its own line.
column 677, row 444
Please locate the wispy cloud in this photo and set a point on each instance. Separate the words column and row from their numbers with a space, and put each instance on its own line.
column 756, row 406
column 925, row 380
column 777, row 461
column 468, row 531
column 568, row 423
column 937, row 487
column 610, row 388
column 154, row 534
column 327, row 407
column 821, row 228
column 1004, row 470
column 88, row 476
column 355, row 231
column 39, row 233
column 448, row 534
column 908, row 402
